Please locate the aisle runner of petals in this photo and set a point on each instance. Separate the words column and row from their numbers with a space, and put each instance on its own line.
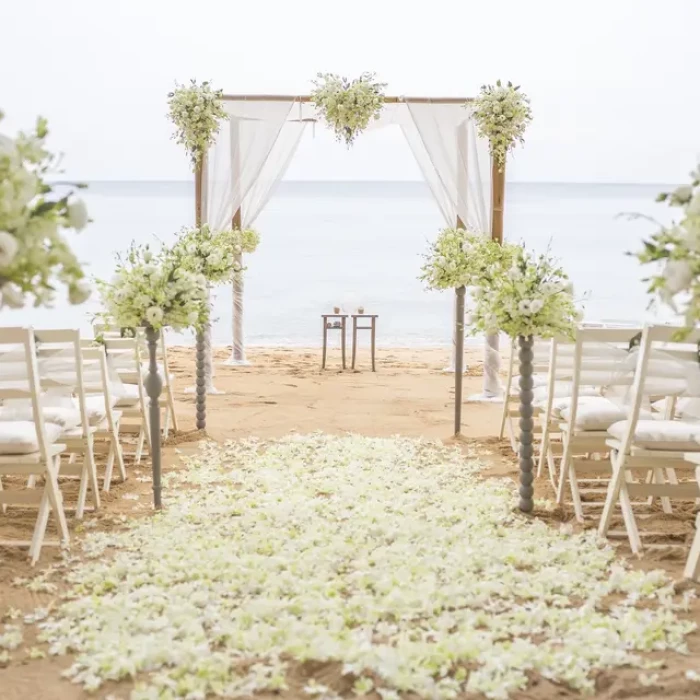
column 387, row 556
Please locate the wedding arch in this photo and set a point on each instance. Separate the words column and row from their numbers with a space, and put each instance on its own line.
column 255, row 145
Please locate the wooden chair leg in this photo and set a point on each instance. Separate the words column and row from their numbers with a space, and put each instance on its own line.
column 354, row 341
column 171, row 406
column 374, row 342
column 342, row 339
column 325, row 343
column 613, row 493
column 109, row 468
column 692, row 567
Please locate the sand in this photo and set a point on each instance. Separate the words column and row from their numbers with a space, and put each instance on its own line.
column 285, row 390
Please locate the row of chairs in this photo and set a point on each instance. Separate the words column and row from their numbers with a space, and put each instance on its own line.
column 64, row 402
column 618, row 422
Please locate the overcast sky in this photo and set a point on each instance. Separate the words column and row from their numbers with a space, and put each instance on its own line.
column 613, row 82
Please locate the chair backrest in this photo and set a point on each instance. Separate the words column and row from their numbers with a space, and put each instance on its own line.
column 62, row 367
column 665, row 367
column 600, row 360
column 18, row 343
column 124, row 357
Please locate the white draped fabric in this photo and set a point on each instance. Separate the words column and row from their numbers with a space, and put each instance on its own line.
column 253, row 151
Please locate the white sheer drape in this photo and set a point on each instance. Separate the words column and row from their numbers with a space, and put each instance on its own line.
column 249, row 157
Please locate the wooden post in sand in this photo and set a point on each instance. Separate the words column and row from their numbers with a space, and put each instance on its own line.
column 201, row 379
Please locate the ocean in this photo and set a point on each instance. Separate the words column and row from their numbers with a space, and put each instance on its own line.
column 360, row 244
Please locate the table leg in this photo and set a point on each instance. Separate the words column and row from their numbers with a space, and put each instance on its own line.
column 374, row 335
column 325, row 342
column 342, row 340
column 354, row 341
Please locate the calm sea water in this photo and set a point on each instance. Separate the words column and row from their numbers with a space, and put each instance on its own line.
column 360, row 243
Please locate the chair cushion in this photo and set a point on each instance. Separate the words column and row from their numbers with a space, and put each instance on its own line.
column 19, row 437
column 128, row 395
column 598, row 413
column 95, row 407
column 661, row 434
column 63, row 416
column 687, row 408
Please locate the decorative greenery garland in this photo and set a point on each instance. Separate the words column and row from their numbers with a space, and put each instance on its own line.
column 32, row 250
column 197, row 112
column 502, row 115
column 155, row 290
column 532, row 298
column 348, row 106
column 461, row 257
column 678, row 248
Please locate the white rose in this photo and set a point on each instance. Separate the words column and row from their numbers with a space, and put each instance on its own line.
column 79, row 293
column 677, row 275
column 77, row 214
column 149, row 270
column 8, row 248
column 12, row 296
column 525, row 307
column 147, row 256
column 536, row 305
column 192, row 317
column 154, row 315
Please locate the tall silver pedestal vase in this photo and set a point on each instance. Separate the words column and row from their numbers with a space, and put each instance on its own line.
column 526, row 424
column 154, row 385
column 201, row 381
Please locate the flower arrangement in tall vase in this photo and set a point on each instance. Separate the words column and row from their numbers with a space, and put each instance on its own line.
column 502, row 114
column 532, row 299
column 348, row 106
column 245, row 240
column 676, row 249
column 197, row 111
column 34, row 253
column 217, row 255
column 462, row 259
column 155, row 291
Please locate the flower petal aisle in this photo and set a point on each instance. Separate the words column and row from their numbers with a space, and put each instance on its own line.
column 388, row 559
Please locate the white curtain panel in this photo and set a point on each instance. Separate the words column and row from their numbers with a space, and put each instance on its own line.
column 248, row 159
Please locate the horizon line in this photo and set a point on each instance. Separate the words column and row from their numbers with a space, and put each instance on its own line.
column 364, row 182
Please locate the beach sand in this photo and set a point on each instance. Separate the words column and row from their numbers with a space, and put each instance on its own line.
column 284, row 390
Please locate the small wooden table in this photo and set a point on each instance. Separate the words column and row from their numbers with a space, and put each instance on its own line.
column 372, row 327
column 329, row 326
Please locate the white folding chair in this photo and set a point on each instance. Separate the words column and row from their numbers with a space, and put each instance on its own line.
column 599, row 369
column 29, row 448
column 61, row 371
column 167, row 396
column 640, row 442
column 102, row 414
column 124, row 357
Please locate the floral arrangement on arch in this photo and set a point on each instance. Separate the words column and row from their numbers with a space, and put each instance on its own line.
column 155, row 290
column 502, row 115
column 348, row 106
column 196, row 111
column 202, row 251
column 534, row 297
column 33, row 251
column 677, row 247
column 462, row 257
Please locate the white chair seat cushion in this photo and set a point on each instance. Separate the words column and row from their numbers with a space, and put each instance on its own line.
column 129, row 395
column 597, row 413
column 563, row 403
column 661, row 434
column 19, row 437
column 687, row 408
column 95, row 407
column 63, row 416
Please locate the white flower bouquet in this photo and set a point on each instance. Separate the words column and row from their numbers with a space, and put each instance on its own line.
column 461, row 257
column 199, row 250
column 244, row 240
column 348, row 106
column 155, row 290
column 502, row 115
column 33, row 251
column 532, row 298
column 196, row 111
column 677, row 247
